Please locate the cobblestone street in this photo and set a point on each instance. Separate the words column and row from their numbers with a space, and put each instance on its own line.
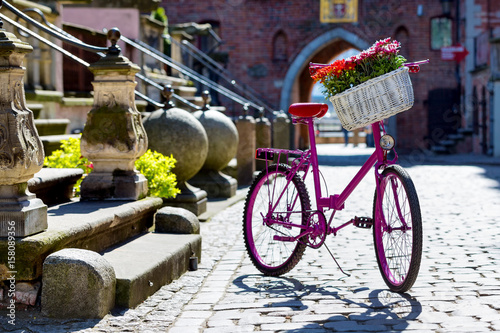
column 457, row 290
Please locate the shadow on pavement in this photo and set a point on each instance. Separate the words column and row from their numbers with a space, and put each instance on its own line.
column 380, row 309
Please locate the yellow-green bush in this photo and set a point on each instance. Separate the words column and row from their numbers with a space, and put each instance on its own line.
column 156, row 167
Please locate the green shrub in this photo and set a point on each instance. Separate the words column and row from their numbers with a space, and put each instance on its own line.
column 156, row 167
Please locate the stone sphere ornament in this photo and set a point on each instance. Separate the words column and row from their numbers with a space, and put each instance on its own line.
column 222, row 136
column 176, row 132
column 222, row 147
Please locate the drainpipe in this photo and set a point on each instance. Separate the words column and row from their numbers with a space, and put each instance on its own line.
column 495, row 98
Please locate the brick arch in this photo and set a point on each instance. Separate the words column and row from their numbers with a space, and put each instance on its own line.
column 336, row 38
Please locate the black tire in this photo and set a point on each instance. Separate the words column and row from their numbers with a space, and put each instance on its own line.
column 275, row 257
column 398, row 248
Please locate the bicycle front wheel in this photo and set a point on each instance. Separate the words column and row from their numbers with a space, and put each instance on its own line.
column 397, row 231
column 275, row 209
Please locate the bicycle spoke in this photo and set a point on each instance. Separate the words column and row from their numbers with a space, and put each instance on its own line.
column 275, row 208
column 395, row 231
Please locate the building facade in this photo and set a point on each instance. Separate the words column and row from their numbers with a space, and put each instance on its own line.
column 270, row 43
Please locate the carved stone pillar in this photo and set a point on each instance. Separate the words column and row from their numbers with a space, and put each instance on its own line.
column 21, row 151
column 113, row 137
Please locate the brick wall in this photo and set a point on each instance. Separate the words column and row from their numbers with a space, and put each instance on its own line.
column 249, row 27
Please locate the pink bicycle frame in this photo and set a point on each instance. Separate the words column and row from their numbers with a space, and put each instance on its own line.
column 310, row 158
column 337, row 201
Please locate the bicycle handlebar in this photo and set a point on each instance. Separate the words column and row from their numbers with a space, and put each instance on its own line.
column 416, row 63
column 413, row 66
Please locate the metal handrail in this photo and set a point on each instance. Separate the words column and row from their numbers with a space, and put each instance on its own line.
column 27, row 32
column 44, row 40
column 216, row 68
column 58, row 33
column 190, row 73
column 53, row 33
column 160, row 87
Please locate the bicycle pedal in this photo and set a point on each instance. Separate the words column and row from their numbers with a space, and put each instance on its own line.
column 284, row 238
column 363, row 222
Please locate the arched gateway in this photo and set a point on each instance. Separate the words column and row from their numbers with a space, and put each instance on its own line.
column 321, row 49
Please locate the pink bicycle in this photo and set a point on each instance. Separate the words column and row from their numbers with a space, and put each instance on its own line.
column 279, row 222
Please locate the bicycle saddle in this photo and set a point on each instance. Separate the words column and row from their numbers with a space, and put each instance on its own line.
column 317, row 110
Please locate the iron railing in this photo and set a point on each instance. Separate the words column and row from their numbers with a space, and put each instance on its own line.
column 214, row 67
column 60, row 34
column 70, row 39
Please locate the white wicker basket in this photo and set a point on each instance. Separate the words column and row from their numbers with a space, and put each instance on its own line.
column 374, row 100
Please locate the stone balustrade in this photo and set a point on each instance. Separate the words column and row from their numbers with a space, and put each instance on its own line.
column 21, row 151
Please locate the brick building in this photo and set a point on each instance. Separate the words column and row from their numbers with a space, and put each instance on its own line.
column 270, row 43
column 480, row 73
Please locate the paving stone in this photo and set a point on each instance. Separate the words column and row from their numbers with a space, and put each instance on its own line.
column 221, row 323
column 240, row 329
column 256, row 319
column 289, row 326
column 457, row 289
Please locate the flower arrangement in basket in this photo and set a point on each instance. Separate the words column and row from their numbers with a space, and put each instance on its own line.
column 367, row 87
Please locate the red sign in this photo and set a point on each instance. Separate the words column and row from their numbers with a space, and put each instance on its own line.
column 454, row 53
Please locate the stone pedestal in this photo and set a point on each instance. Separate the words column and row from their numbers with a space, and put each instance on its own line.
column 215, row 183
column 21, row 151
column 113, row 137
column 262, row 138
column 281, row 131
column 190, row 198
column 246, row 149
column 21, row 212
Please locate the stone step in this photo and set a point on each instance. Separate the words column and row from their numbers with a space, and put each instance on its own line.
column 53, row 142
column 456, row 137
column 438, row 149
column 185, row 91
column 465, row 131
column 166, row 79
column 51, row 126
column 91, row 225
column 447, row 143
column 36, row 108
column 149, row 261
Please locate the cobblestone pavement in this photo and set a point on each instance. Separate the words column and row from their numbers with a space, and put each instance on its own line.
column 457, row 290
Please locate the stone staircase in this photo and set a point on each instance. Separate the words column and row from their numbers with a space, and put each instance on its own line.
column 123, row 232
column 182, row 87
column 452, row 143
column 149, row 261
column 51, row 131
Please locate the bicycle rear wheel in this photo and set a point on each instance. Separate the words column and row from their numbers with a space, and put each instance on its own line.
column 273, row 204
column 397, row 231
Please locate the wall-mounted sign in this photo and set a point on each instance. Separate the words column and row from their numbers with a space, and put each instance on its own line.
column 338, row 11
column 454, row 53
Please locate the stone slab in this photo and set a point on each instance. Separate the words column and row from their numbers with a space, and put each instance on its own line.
column 146, row 263
column 54, row 185
column 91, row 225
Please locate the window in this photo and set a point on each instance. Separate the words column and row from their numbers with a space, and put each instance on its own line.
column 280, row 47
column 440, row 32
